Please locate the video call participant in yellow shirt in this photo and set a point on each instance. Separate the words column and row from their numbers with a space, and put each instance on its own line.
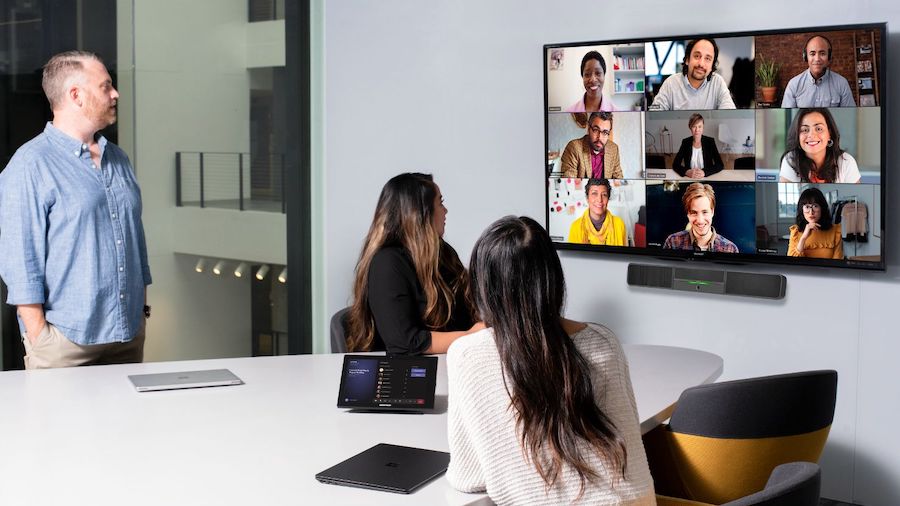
column 598, row 225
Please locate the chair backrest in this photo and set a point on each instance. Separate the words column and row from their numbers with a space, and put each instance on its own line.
column 792, row 484
column 745, row 163
column 339, row 331
column 656, row 162
column 724, row 439
column 640, row 235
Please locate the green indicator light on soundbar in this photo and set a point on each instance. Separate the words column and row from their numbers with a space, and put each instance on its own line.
column 698, row 282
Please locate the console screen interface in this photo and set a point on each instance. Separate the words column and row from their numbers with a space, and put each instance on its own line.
column 388, row 382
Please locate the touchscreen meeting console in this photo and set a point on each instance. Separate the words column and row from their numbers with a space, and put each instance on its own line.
column 743, row 147
column 388, row 383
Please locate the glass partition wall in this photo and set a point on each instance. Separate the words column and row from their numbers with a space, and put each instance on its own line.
column 209, row 106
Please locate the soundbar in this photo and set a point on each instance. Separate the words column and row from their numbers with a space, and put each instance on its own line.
column 690, row 279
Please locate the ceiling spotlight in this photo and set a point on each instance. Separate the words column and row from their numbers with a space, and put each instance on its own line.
column 201, row 265
column 241, row 270
column 261, row 273
column 283, row 276
column 219, row 267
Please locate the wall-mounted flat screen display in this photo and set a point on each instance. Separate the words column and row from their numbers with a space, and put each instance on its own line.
column 761, row 146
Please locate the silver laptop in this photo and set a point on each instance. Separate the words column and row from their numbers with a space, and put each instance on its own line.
column 184, row 379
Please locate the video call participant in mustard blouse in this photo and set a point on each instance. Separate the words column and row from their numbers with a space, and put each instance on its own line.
column 699, row 202
column 814, row 153
column 698, row 156
column 540, row 409
column 598, row 225
column 814, row 235
column 593, row 75
column 411, row 293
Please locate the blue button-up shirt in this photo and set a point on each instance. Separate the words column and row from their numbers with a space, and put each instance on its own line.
column 830, row 90
column 71, row 237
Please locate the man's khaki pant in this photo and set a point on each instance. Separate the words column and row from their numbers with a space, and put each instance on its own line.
column 52, row 349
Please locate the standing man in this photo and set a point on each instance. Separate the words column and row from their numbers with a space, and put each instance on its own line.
column 698, row 86
column 818, row 86
column 72, row 247
column 594, row 155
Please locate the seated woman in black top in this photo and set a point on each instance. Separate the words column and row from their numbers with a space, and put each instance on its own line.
column 698, row 156
column 411, row 293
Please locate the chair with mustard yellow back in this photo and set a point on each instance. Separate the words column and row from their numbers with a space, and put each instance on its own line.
column 725, row 439
column 792, row 484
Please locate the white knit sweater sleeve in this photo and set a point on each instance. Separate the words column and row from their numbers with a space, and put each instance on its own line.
column 464, row 472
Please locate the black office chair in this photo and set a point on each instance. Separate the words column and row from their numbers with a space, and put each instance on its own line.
column 724, row 439
column 745, row 163
column 791, row 484
column 656, row 162
column 339, row 328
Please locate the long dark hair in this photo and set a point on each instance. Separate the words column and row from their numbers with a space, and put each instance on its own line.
column 519, row 291
column 813, row 196
column 404, row 217
column 797, row 158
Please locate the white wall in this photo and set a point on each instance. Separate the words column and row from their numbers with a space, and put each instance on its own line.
column 455, row 88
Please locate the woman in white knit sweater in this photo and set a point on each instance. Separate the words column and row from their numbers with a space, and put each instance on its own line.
column 541, row 409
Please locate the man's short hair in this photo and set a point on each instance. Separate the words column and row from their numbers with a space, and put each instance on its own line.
column 598, row 182
column 603, row 115
column 59, row 70
column 695, row 118
column 687, row 56
column 695, row 191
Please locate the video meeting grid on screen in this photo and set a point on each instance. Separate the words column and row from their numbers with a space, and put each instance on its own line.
column 758, row 146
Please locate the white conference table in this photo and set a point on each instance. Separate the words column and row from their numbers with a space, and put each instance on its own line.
column 85, row 436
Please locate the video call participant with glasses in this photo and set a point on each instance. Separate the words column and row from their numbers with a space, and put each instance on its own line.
column 541, row 409
column 411, row 293
column 594, row 155
column 814, row 235
column 598, row 225
column 814, row 153
column 593, row 75
column 698, row 156
column 699, row 202
column 698, row 86
column 819, row 86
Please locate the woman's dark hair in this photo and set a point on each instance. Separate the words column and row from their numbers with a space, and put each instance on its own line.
column 598, row 182
column 813, row 196
column 797, row 158
column 519, row 291
column 404, row 217
column 593, row 55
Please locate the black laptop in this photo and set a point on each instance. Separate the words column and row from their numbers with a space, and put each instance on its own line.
column 389, row 468
column 388, row 383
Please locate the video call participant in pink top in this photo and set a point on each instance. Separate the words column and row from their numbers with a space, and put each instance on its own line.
column 593, row 74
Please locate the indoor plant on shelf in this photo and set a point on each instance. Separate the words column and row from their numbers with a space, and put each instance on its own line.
column 767, row 73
